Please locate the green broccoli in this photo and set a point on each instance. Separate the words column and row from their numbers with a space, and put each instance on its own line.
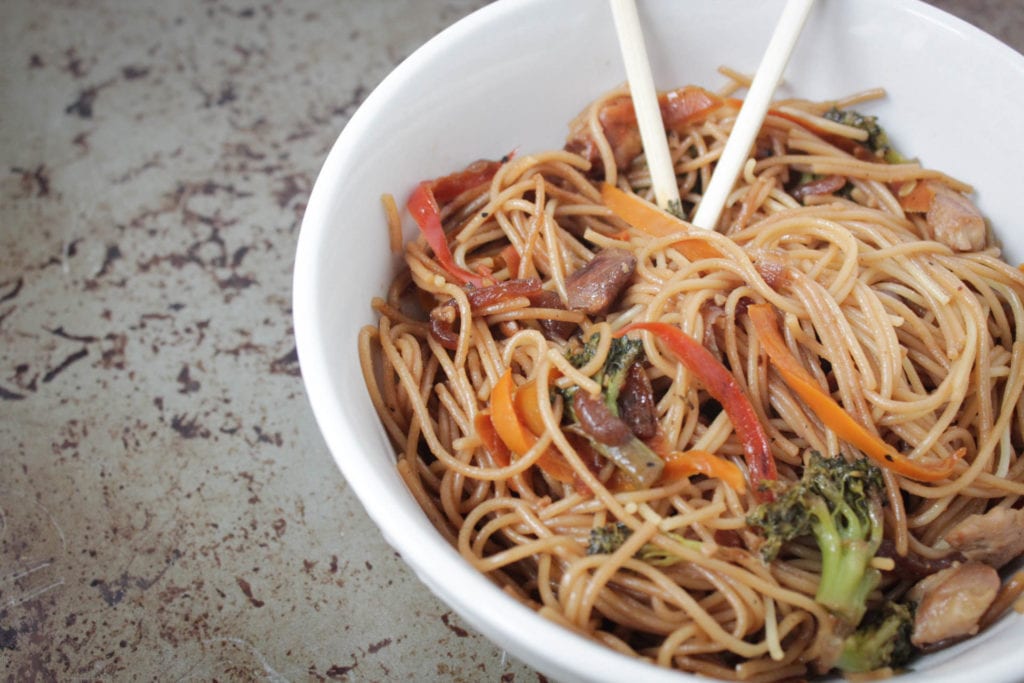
column 621, row 356
column 606, row 539
column 622, row 353
column 838, row 502
column 878, row 139
column 641, row 465
column 581, row 356
column 883, row 640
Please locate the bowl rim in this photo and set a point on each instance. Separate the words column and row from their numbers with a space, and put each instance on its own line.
column 520, row 627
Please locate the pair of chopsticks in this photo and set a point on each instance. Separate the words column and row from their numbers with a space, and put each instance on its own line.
column 744, row 130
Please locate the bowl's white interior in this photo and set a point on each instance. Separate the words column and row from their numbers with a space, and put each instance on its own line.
column 510, row 77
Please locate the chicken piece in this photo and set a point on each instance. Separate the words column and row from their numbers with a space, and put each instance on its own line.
column 595, row 287
column 995, row 537
column 952, row 601
column 956, row 221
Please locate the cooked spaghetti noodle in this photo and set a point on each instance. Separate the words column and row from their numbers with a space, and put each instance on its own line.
column 909, row 333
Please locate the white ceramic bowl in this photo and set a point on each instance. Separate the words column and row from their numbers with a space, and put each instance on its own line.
column 511, row 76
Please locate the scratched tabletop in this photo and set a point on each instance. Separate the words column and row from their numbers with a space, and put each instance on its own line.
column 168, row 510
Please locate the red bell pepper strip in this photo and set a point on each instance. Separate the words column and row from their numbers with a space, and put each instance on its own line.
column 446, row 188
column 427, row 214
column 831, row 413
column 423, row 205
column 720, row 383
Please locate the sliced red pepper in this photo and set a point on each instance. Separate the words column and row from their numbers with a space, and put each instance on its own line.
column 679, row 108
column 720, row 383
column 446, row 188
column 512, row 260
column 831, row 413
column 424, row 208
column 427, row 214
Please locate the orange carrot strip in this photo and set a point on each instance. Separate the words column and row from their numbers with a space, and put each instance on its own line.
column 505, row 419
column 526, row 406
column 492, row 442
column 648, row 218
column 831, row 413
column 919, row 199
column 494, row 445
column 680, row 464
column 517, row 436
column 736, row 102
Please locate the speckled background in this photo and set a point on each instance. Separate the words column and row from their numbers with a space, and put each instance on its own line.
column 167, row 507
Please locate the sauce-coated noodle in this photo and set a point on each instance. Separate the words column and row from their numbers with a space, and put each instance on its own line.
column 915, row 335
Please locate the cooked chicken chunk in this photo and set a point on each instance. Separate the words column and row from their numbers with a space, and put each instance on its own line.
column 995, row 537
column 955, row 220
column 952, row 601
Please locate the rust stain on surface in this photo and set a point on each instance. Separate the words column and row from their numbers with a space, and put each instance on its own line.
column 247, row 591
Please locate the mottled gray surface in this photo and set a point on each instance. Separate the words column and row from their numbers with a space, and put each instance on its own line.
column 169, row 510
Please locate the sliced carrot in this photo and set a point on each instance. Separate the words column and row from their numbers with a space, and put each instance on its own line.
column 527, row 406
column 736, row 103
column 517, row 436
column 505, row 418
column 919, row 199
column 492, row 442
column 831, row 413
column 681, row 464
column 648, row 218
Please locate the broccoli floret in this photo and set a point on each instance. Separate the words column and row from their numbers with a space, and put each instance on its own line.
column 641, row 465
column 582, row 356
column 621, row 356
column 878, row 139
column 881, row 641
column 622, row 353
column 838, row 502
column 659, row 557
column 606, row 539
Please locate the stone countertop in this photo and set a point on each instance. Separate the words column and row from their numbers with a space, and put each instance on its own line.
column 168, row 509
